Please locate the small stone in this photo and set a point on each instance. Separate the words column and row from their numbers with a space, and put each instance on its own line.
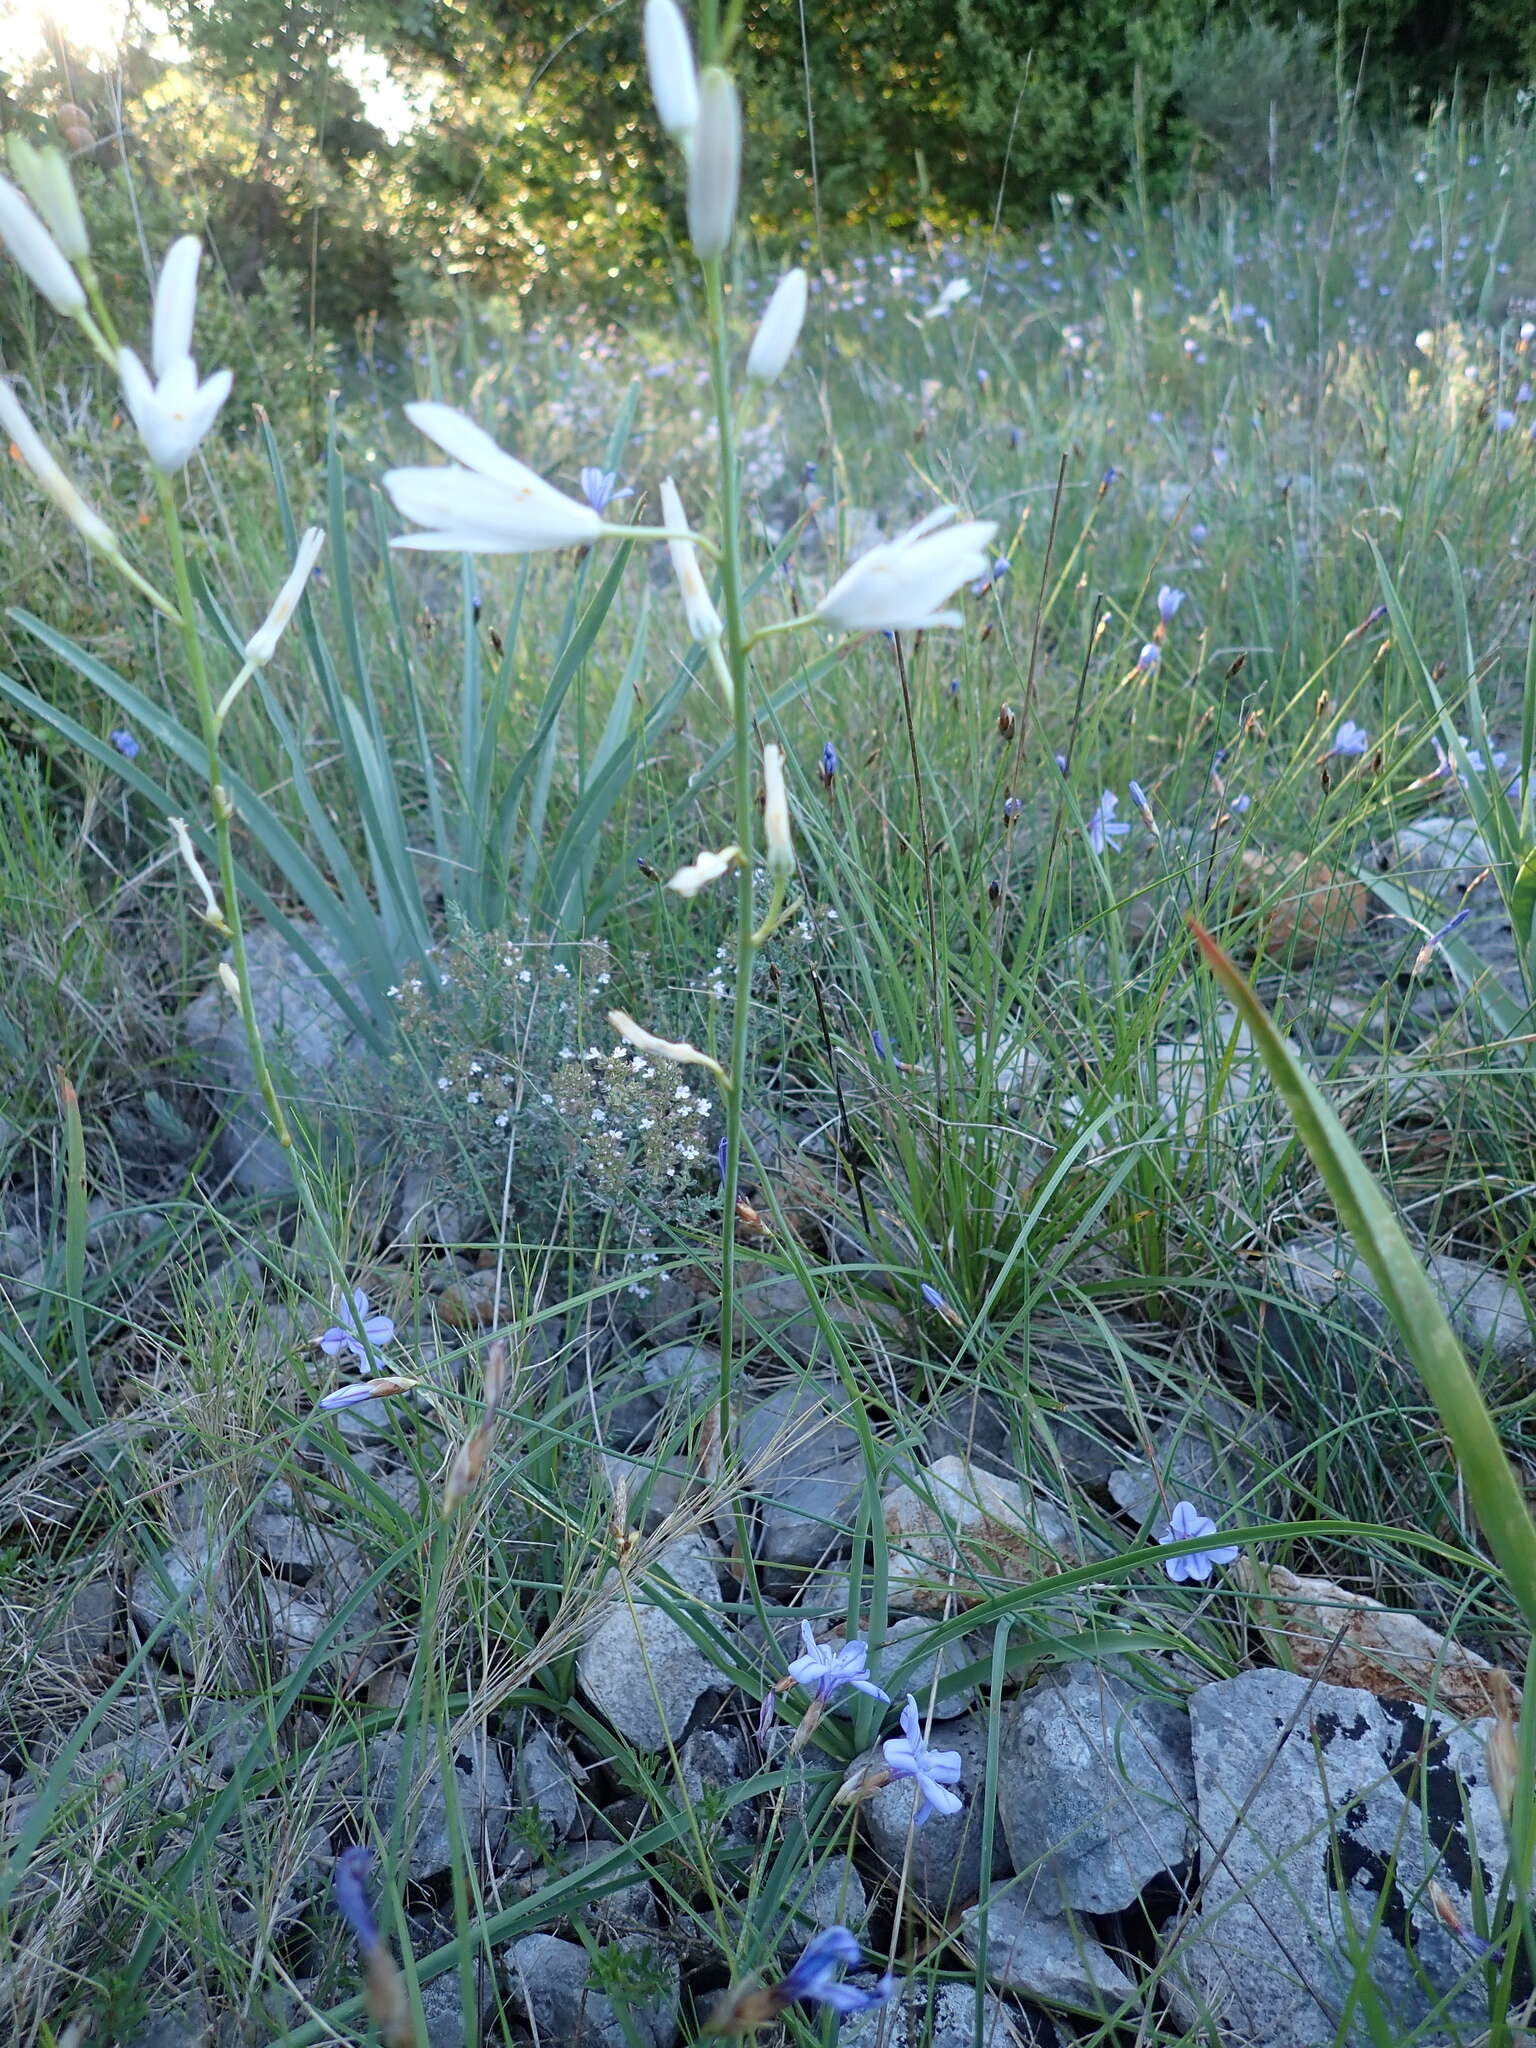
column 945, row 1868
column 310, row 1044
column 1333, row 1811
column 1096, row 1789
column 966, row 1526
column 714, row 1764
column 1041, row 1955
column 804, row 1465
column 481, row 1796
column 835, row 1897
column 641, row 1669
column 1327, row 1273
column 553, row 1988
column 928, row 2015
column 683, row 1372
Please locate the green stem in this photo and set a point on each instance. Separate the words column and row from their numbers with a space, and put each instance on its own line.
column 735, row 651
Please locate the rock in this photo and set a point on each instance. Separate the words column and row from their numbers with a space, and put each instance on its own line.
column 686, row 1373
column 1325, row 1813
column 291, row 1543
column 425, row 1214
column 442, row 2007
column 714, row 1763
column 546, row 1810
column 651, row 1491
column 906, row 1639
column 641, row 1669
column 966, row 1526
column 660, row 1306
column 551, row 1989
column 945, row 1869
column 629, row 1908
column 1096, row 1789
column 310, row 1045
column 1435, row 862
column 778, row 1306
column 835, row 1897
column 188, row 2028
column 804, row 1465
column 482, row 1799
column 1214, row 1455
column 926, row 2015
column 1213, row 1084
column 1325, row 1271
column 1045, row 1956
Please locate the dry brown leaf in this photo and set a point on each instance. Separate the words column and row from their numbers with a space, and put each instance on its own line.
column 965, row 1531
column 1301, row 906
column 1343, row 1638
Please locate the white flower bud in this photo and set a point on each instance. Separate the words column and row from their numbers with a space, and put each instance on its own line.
column 704, row 621
column 774, row 342
column 781, row 847
column 38, row 253
column 714, row 170
column 677, row 1050
column 262, row 645
column 674, row 80
column 50, row 477
column 43, row 174
column 709, row 867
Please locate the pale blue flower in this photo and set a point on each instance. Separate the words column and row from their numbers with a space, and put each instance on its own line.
column 824, row 1669
column 126, row 745
column 356, row 1331
column 933, row 1771
column 600, row 487
column 813, row 1978
column 1351, row 738
column 1148, row 658
column 349, row 1880
column 1168, row 602
column 1184, row 1525
column 1103, row 831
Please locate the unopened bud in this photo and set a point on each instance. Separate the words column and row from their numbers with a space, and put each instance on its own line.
column 714, row 172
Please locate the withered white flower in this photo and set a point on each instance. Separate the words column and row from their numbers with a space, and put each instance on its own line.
column 677, row 1050
column 262, row 645
column 781, row 847
column 709, row 867
column 704, row 622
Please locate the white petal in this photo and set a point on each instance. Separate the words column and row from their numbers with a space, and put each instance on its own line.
column 262, row 644
column 669, row 61
column 774, row 342
column 37, row 252
column 458, row 436
column 714, row 173
column 175, row 304
column 501, row 520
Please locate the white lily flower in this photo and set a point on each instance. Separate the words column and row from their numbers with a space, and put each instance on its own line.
column 957, row 289
column 43, row 174
column 779, row 330
column 38, row 253
column 262, row 645
column 677, row 1050
column 674, row 78
column 704, row 622
column 709, row 867
column 781, row 847
column 173, row 413
column 714, row 168
column 485, row 502
column 898, row 585
column 50, row 477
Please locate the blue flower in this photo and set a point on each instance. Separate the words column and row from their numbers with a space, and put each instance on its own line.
column 349, row 1880
column 1139, row 798
column 722, row 1153
column 126, row 745
column 995, row 574
column 600, row 487
column 1168, row 602
column 1503, row 420
column 932, row 1770
column 1013, row 807
column 813, row 1979
column 824, row 1669
column 356, row 1331
column 1103, row 831
column 1351, row 738
column 1184, row 1524
column 829, row 764
column 1433, row 943
column 1148, row 658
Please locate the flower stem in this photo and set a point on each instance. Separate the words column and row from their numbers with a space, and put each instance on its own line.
column 735, row 652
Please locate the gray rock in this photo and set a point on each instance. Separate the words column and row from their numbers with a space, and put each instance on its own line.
column 652, row 1490
column 1045, row 1956
column 714, row 1762
column 686, row 1373
column 189, row 2028
column 659, row 1306
column 780, row 1307
column 835, row 1897
column 641, row 1669
column 805, row 1467
column 310, row 1044
column 929, row 2015
column 425, row 1214
column 1214, row 1455
column 442, row 2007
column 630, row 1908
column 904, row 1640
column 481, row 1795
column 553, row 1988
column 1436, row 861
column 1096, row 1789
column 1325, row 1271
column 945, row 1868
column 1324, row 1813
column 288, row 1539
column 544, row 1775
